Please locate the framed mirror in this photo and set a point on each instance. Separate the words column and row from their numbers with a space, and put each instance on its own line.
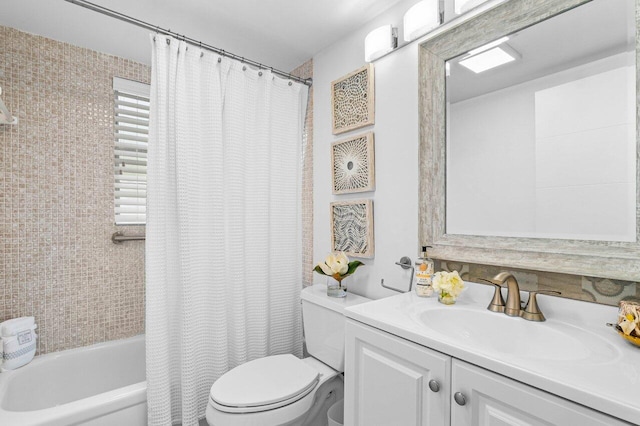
column 532, row 163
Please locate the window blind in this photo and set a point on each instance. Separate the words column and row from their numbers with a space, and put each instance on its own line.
column 130, row 153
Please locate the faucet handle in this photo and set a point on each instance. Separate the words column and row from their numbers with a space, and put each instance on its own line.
column 532, row 311
column 497, row 303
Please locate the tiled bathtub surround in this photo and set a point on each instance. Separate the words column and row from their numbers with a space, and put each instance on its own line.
column 306, row 71
column 57, row 261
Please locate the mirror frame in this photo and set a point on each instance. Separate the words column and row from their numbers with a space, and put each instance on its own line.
column 616, row 260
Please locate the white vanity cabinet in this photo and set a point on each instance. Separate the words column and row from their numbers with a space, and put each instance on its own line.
column 489, row 399
column 387, row 380
column 387, row 383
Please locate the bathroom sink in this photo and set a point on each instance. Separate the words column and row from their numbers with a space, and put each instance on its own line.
column 515, row 337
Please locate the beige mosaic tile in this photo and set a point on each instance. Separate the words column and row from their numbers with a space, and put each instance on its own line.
column 57, row 261
column 306, row 71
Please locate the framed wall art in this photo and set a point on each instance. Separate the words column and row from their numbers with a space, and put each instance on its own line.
column 353, row 165
column 352, row 228
column 352, row 100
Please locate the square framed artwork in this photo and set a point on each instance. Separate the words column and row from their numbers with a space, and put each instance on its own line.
column 352, row 228
column 352, row 100
column 353, row 164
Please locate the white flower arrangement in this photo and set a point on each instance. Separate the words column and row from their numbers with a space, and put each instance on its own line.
column 337, row 266
column 448, row 284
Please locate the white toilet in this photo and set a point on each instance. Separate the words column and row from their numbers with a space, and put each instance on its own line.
column 283, row 389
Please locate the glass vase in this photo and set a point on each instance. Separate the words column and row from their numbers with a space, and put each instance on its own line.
column 445, row 298
column 336, row 288
column 424, row 290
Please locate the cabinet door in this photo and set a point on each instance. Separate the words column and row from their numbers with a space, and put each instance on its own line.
column 495, row 400
column 387, row 380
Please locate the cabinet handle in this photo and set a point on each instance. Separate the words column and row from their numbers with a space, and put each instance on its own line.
column 434, row 385
column 459, row 398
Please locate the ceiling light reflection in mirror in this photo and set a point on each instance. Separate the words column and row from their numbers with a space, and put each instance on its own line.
column 489, row 56
column 543, row 145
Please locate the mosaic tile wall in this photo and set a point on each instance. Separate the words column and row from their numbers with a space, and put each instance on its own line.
column 306, row 71
column 589, row 289
column 57, row 261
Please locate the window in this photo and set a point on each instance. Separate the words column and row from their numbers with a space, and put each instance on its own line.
column 130, row 154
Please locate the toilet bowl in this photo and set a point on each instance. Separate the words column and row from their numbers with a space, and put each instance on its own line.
column 281, row 390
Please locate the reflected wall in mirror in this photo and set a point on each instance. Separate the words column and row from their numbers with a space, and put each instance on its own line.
column 541, row 122
column 495, row 194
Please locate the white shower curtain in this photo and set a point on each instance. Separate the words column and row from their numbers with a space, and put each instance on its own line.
column 223, row 251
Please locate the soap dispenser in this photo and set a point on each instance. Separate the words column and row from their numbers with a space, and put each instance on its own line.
column 424, row 274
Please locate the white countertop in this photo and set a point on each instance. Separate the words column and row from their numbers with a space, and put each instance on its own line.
column 605, row 378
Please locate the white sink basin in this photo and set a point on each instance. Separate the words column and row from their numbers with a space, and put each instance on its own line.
column 515, row 337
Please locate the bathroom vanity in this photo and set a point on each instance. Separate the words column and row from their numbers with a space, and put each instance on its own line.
column 414, row 361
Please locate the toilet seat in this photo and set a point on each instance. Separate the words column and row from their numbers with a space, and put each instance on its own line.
column 264, row 384
column 293, row 410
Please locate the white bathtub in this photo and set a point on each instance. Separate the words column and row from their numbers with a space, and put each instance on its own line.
column 97, row 385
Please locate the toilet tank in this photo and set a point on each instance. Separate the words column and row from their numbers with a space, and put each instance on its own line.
column 324, row 322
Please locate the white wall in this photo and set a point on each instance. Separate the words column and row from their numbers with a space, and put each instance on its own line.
column 585, row 152
column 396, row 155
column 551, row 157
column 491, row 169
column 396, row 149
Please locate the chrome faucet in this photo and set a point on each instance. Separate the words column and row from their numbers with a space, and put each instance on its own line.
column 512, row 307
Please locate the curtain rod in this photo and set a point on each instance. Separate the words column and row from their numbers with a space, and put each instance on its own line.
column 157, row 29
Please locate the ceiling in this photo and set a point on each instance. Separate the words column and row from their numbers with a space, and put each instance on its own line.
column 279, row 33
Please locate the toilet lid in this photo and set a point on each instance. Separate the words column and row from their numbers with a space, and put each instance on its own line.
column 264, row 381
